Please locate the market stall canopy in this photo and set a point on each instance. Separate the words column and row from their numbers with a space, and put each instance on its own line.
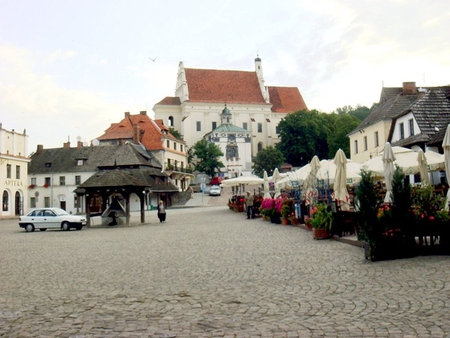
column 246, row 180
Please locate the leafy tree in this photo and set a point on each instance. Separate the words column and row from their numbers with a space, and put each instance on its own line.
column 360, row 112
column 340, row 126
column 176, row 133
column 206, row 157
column 267, row 159
column 303, row 134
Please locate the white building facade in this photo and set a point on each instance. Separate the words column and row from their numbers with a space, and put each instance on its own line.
column 13, row 172
column 201, row 94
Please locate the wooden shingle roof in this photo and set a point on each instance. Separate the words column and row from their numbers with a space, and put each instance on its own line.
column 66, row 160
column 130, row 177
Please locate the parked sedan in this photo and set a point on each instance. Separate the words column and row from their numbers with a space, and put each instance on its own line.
column 51, row 218
column 214, row 190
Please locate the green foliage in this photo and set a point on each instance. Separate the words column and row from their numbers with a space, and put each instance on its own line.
column 176, row 133
column 206, row 157
column 367, row 204
column 428, row 205
column 267, row 159
column 401, row 197
column 322, row 217
column 303, row 134
column 287, row 208
column 360, row 112
column 340, row 126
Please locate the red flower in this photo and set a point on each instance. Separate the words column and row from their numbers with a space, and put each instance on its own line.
column 431, row 218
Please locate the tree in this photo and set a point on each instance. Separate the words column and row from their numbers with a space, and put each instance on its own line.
column 303, row 134
column 176, row 133
column 360, row 112
column 206, row 157
column 340, row 126
column 267, row 159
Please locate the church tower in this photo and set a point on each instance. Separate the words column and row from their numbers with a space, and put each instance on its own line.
column 260, row 75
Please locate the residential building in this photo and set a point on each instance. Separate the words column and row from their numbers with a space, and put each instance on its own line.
column 201, row 94
column 13, row 172
column 155, row 137
column 405, row 116
column 55, row 174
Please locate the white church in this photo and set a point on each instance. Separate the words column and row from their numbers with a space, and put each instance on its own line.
column 252, row 111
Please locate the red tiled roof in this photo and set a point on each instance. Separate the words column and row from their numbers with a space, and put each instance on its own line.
column 225, row 86
column 286, row 99
column 151, row 135
column 233, row 86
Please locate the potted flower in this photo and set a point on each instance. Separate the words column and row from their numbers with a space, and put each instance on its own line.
column 267, row 208
column 431, row 219
column 286, row 210
column 321, row 221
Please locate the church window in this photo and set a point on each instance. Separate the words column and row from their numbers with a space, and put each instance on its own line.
column 199, row 126
column 170, row 121
column 214, row 125
column 260, row 146
column 259, row 127
column 244, row 125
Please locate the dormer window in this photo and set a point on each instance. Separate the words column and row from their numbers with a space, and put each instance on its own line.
column 80, row 162
column 48, row 164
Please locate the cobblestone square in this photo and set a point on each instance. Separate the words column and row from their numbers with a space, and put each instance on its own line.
column 210, row 272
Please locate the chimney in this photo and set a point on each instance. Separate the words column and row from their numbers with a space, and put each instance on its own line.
column 66, row 145
column 127, row 114
column 39, row 149
column 143, row 112
column 136, row 134
column 79, row 145
column 409, row 88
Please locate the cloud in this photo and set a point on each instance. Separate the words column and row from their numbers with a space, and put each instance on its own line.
column 49, row 111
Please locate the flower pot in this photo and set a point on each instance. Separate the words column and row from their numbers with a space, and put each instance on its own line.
column 320, row 233
column 285, row 221
column 275, row 219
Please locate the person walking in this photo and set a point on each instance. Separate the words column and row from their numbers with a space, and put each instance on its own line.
column 161, row 211
column 249, row 205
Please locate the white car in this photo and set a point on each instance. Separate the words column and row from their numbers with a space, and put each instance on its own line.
column 51, row 218
column 214, row 190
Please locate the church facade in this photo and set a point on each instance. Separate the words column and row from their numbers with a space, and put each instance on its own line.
column 255, row 109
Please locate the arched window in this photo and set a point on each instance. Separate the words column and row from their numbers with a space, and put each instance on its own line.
column 5, row 201
column 260, row 146
column 170, row 121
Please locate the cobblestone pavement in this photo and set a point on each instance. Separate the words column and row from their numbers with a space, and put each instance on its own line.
column 209, row 272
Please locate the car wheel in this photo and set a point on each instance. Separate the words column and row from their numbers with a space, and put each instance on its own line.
column 43, row 229
column 29, row 228
column 65, row 226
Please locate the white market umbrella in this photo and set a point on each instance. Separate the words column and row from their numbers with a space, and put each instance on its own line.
column 406, row 159
column 310, row 184
column 246, row 180
column 423, row 167
column 388, row 162
column 340, row 181
column 327, row 171
column 446, row 147
column 266, row 185
column 276, row 176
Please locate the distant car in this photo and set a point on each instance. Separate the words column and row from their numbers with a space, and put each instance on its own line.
column 216, row 180
column 214, row 190
column 51, row 218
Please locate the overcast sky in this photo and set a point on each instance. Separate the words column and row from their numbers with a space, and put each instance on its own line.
column 68, row 69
